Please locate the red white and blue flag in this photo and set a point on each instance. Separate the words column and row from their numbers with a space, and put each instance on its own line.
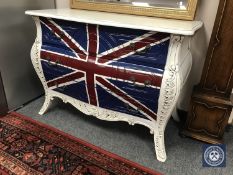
column 114, row 68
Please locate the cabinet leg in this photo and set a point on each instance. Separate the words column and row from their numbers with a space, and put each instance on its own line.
column 160, row 146
column 46, row 104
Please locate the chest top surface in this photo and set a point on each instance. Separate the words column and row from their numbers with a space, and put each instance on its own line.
column 122, row 20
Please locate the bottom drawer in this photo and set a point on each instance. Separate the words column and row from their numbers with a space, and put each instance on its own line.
column 52, row 71
column 112, row 101
column 117, row 96
column 108, row 98
column 76, row 90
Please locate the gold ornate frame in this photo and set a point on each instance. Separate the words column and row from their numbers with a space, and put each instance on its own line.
column 174, row 13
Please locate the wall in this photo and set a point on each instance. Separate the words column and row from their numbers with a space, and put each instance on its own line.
column 62, row 3
column 206, row 12
column 17, row 34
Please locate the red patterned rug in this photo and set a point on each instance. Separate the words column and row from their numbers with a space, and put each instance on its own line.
column 28, row 147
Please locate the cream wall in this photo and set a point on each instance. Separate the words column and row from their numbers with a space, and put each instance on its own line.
column 206, row 13
column 62, row 3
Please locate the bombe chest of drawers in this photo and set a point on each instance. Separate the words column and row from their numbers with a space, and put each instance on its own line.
column 112, row 66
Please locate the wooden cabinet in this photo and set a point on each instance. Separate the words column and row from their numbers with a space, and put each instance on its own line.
column 211, row 106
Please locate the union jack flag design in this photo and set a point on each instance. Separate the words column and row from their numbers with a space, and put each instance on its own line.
column 113, row 68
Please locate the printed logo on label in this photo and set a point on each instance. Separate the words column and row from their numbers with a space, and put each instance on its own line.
column 214, row 155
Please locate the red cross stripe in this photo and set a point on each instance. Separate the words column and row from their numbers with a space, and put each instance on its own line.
column 94, row 68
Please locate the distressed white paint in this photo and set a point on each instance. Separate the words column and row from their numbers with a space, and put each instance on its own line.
column 122, row 20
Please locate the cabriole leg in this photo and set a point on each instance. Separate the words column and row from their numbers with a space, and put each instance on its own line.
column 46, row 104
column 159, row 145
column 167, row 101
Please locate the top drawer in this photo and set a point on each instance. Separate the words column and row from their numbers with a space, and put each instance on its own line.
column 106, row 45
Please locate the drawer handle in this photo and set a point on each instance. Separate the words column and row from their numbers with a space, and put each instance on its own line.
column 57, row 62
column 144, row 51
column 132, row 46
column 132, row 79
column 60, row 88
column 61, row 35
column 128, row 108
column 147, row 83
column 53, row 64
column 49, row 61
column 139, row 85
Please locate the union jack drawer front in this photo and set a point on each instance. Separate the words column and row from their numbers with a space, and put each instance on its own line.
column 112, row 73
column 113, row 68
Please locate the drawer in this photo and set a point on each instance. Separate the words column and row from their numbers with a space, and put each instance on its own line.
column 58, row 49
column 76, row 90
column 140, row 76
column 53, row 70
column 117, row 33
column 144, row 93
column 151, row 64
column 109, row 38
column 57, row 38
column 51, row 66
column 154, row 56
column 114, row 102
column 112, row 37
column 124, row 92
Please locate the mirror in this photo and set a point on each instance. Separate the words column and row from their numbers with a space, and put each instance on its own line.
column 180, row 4
column 178, row 9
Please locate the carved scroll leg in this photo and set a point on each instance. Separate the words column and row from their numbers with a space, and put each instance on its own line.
column 169, row 94
column 159, row 145
column 166, row 107
column 163, row 118
column 46, row 104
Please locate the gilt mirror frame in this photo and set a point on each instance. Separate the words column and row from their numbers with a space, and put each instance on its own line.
column 164, row 12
